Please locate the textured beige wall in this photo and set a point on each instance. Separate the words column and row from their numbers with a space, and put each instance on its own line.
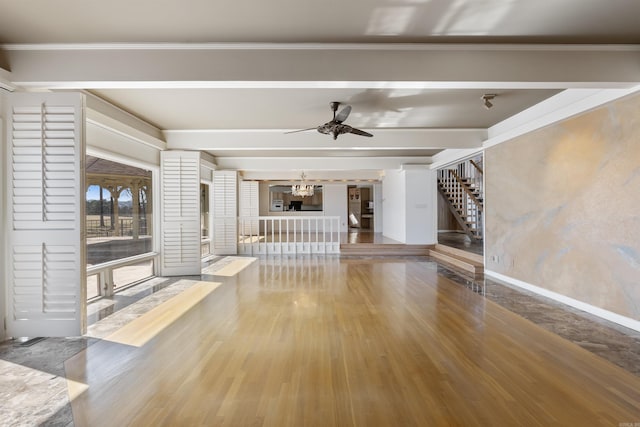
column 563, row 207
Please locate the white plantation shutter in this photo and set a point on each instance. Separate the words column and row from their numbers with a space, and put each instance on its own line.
column 180, row 189
column 45, row 214
column 225, row 223
column 249, row 206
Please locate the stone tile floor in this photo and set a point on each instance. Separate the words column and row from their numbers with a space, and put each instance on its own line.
column 613, row 342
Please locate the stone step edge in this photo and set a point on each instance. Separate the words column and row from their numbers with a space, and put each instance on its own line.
column 452, row 260
column 459, row 253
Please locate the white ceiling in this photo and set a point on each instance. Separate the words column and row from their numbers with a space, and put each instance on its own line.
column 326, row 21
column 304, row 108
column 230, row 77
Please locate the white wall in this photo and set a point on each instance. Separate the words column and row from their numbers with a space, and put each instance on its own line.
column 263, row 195
column 409, row 205
column 334, row 198
column 421, row 207
column 394, row 205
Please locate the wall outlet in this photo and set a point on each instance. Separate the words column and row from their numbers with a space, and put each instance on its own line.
column 495, row 259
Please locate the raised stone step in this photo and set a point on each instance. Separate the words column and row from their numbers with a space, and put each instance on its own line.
column 460, row 253
column 468, row 262
column 384, row 249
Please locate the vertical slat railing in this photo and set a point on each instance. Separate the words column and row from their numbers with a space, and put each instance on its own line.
column 471, row 172
column 276, row 235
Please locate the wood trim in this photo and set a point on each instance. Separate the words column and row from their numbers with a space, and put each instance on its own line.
column 476, row 166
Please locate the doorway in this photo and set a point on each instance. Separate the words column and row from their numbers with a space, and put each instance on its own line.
column 361, row 208
column 461, row 205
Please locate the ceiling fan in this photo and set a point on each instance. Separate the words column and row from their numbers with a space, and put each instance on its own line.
column 336, row 126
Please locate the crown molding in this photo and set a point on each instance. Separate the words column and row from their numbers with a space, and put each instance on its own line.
column 325, row 46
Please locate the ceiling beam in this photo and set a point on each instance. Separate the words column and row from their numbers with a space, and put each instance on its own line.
column 101, row 113
column 350, row 176
column 336, row 164
column 328, row 66
column 275, row 140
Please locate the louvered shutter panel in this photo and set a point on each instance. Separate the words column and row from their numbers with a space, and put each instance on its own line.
column 180, row 189
column 225, row 223
column 45, row 215
column 249, row 207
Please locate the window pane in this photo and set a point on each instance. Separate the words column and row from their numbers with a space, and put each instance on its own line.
column 132, row 273
column 118, row 210
column 205, row 249
column 204, row 210
column 92, row 286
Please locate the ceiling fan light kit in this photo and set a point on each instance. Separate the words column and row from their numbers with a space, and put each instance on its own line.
column 336, row 126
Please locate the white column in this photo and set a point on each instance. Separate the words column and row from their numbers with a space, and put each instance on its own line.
column 394, row 205
column 334, row 199
column 409, row 205
column 421, row 206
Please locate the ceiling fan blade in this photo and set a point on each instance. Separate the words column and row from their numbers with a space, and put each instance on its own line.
column 360, row 132
column 343, row 114
column 299, row 130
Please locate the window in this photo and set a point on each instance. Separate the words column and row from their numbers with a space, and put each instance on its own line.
column 205, row 218
column 133, row 273
column 118, row 216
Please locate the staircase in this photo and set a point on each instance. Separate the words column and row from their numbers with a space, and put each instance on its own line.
column 462, row 188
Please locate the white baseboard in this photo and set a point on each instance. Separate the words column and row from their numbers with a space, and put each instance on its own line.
column 596, row 311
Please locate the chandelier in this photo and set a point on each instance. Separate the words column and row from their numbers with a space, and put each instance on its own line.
column 303, row 189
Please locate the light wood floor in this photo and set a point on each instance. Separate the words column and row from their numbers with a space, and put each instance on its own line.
column 348, row 342
column 365, row 236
